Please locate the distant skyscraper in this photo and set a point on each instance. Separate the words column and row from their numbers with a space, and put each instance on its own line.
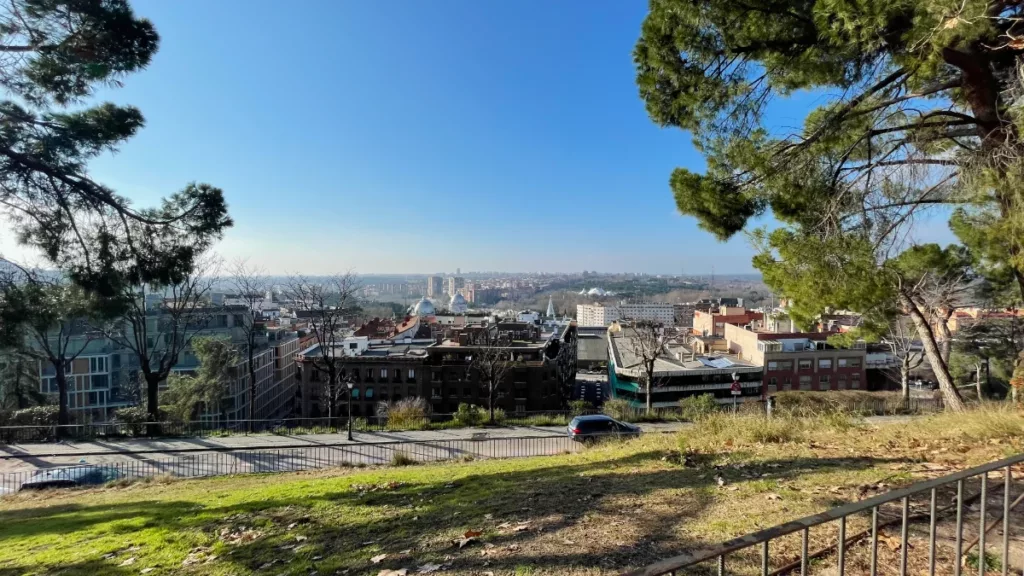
column 455, row 283
column 458, row 271
column 435, row 286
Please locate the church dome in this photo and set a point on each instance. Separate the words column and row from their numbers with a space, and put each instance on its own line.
column 458, row 304
column 424, row 308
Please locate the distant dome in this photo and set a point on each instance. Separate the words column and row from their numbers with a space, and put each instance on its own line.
column 596, row 292
column 458, row 304
column 424, row 308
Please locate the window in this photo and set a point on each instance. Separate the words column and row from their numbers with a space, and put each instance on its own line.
column 355, row 393
column 467, row 392
column 785, row 364
column 383, row 373
column 369, row 393
column 805, row 382
column 94, row 398
column 824, row 379
column 369, row 374
column 99, row 381
column 412, row 390
column 412, row 374
column 435, row 392
column 773, row 381
column 856, row 380
column 805, row 364
column 841, row 362
column 353, row 345
column 825, row 363
column 773, row 366
column 98, row 364
column 853, row 362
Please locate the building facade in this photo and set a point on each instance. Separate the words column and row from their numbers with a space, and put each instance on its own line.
column 435, row 286
column 604, row 315
column 800, row 361
column 714, row 323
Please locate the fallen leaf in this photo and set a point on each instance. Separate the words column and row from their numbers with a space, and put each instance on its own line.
column 466, row 542
column 128, row 562
column 471, row 534
column 409, row 551
column 773, row 496
column 301, row 538
column 428, row 568
column 146, row 570
column 399, row 572
column 568, row 542
column 378, row 559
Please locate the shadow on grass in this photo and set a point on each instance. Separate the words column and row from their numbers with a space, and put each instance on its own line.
column 342, row 529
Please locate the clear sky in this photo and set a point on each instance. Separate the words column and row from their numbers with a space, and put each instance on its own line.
column 408, row 136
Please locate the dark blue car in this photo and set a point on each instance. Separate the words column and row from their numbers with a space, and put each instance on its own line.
column 597, row 426
column 71, row 477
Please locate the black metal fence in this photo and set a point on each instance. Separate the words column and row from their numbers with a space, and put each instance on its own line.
column 237, row 461
column 941, row 524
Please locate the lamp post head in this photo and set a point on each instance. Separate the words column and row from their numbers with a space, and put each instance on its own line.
column 349, row 384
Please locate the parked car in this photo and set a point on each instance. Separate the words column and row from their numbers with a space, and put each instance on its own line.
column 596, row 426
column 71, row 477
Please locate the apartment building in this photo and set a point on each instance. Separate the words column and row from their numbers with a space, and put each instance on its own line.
column 605, row 314
column 455, row 284
column 435, row 286
column 799, row 361
column 440, row 371
column 714, row 323
column 684, row 315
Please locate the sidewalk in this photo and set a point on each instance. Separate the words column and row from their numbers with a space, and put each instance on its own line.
column 270, row 441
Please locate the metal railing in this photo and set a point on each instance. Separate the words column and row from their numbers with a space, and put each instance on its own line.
column 293, row 459
column 902, row 508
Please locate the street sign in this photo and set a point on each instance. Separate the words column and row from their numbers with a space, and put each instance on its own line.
column 736, row 390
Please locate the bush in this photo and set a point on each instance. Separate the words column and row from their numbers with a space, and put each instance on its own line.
column 134, row 417
column 36, row 416
column 469, row 415
column 405, row 414
column 400, row 458
column 696, row 408
column 580, row 407
column 619, row 409
column 499, row 416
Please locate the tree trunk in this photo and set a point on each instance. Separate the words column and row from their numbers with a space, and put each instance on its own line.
column 650, row 401
column 977, row 380
column 252, row 392
column 63, row 417
column 905, row 380
column 950, row 396
column 490, row 403
column 153, row 404
column 944, row 338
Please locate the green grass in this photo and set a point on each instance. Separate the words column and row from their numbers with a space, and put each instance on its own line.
column 593, row 512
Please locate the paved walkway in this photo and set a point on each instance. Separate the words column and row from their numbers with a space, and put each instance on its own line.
column 14, row 457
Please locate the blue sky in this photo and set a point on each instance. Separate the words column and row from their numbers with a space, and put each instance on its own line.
column 402, row 136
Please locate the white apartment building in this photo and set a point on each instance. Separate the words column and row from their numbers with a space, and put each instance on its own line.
column 604, row 315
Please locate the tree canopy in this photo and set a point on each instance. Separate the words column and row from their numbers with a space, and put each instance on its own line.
column 53, row 56
column 921, row 108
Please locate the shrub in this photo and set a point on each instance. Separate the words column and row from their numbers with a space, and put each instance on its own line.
column 405, row 414
column 469, row 415
column 134, row 417
column 36, row 416
column 499, row 416
column 580, row 407
column 400, row 458
column 619, row 409
column 696, row 408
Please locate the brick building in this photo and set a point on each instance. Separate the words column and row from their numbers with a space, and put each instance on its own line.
column 713, row 323
column 801, row 360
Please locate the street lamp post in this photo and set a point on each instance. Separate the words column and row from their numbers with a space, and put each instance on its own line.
column 348, row 384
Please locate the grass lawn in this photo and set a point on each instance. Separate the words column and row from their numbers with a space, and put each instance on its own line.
column 596, row 512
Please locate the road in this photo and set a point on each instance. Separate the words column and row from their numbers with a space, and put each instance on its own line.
column 274, row 451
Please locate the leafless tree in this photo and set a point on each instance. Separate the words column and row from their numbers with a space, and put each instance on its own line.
column 901, row 339
column 491, row 360
column 56, row 322
column 157, row 337
column 646, row 341
column 329, row 303
column 250, row 284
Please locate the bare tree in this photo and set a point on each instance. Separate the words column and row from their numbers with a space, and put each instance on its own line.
column 54, row 316
column 901, row 340
column 491, row 360
column 647, row 344
column 329, row 303
column 250, row 284
column 157, row 336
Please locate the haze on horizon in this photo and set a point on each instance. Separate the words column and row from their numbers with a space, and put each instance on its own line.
column 416, row 137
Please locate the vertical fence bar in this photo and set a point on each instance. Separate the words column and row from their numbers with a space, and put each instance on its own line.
column 764, row 558
column 981, row 535
column 931, row 534
column 721, row 565
column 874, row 541
column 958, row 546
column 842, row 546
column 1006, row 521
column 803, row 551
column 904, row 543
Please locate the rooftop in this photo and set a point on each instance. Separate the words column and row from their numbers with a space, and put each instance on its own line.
column 676, row 360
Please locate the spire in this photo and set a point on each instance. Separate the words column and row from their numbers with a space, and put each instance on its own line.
column 551, row 308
